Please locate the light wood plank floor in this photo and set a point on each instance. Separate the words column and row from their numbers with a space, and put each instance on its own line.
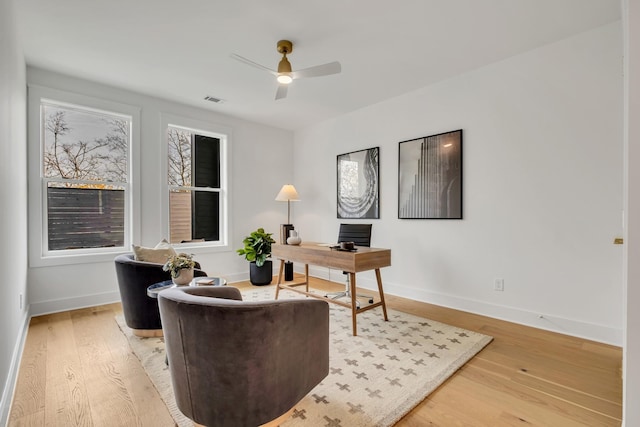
column 77, row 370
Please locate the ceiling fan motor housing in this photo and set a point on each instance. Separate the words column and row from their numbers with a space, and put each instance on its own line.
column 285, row 47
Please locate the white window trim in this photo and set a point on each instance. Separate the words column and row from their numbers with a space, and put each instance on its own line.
column 37, row 217
column 225, row 135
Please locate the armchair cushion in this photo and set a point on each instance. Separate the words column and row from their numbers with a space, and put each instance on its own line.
column 159, row 255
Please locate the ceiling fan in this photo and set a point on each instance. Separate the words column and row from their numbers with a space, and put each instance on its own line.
column 284, row 74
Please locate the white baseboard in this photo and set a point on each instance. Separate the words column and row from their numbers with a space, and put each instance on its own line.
column 64, row 304
column 12, row 376
column 590, row 331
column 576, row 328
column 238, row 277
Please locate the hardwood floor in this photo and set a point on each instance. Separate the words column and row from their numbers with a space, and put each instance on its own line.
column 77, row 370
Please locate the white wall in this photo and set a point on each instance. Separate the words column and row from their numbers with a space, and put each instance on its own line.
column 631, row 356
column 542, row 191
column 261, row 163
column 542, row 188
column 13, row 203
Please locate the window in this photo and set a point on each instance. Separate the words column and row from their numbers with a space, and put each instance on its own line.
column 85, row 168
column 196, row 179
column 81, row 162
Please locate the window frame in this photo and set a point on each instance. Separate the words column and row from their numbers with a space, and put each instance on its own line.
column 224, row 134
column 39, row 254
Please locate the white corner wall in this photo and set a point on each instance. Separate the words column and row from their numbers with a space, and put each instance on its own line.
column 631, row 355
column 261, row 159
column 13, row 206
column 542, row 156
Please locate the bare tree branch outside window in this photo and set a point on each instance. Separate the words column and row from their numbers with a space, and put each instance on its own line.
column 94, row 149
column 57, row 127
column 179, row 154
column 117, row 143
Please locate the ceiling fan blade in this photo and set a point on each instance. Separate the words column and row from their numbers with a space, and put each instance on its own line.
column 253, row 64
column 318, row 70
column 282, row 91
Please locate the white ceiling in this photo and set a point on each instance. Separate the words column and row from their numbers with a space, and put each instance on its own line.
column 180, row 49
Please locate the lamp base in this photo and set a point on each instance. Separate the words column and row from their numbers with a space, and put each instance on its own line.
column 288, row 271
column 284, row 232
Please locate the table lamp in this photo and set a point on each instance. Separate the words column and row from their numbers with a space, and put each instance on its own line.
column 287, row 194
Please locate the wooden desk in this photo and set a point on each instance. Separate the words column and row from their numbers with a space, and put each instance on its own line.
column 352, row 262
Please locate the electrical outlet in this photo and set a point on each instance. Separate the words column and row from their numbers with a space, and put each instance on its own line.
column 498, row 285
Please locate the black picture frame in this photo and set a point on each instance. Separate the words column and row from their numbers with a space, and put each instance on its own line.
column 358, row 184
column 430, row 177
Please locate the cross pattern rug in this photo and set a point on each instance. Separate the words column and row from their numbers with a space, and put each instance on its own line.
column 374, row 378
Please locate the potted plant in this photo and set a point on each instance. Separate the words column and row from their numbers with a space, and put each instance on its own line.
column 181, row 268
column 257, row 250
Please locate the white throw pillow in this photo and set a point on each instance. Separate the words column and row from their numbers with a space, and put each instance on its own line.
column 158, row 255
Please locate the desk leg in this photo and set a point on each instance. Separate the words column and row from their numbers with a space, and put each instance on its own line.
column 354, row 302
column 384, row 306
column 280, row 270
column 306, row 275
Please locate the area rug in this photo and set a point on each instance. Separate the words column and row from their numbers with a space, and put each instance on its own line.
column 374, row 378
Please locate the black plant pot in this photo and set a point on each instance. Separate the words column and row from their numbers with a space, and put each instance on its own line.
column 261, row 276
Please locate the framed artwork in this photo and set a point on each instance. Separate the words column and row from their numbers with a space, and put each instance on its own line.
column 430, row 177
column 359, row 184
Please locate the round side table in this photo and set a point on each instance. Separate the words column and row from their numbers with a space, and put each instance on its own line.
column 153, row 290
column 208, row 281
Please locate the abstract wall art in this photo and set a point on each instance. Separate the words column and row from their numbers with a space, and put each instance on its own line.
column 359, row 184
column 430, row 177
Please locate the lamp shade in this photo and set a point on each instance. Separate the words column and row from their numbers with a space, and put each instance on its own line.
column 287, row 193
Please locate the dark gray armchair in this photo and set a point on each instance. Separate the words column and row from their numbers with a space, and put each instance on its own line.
column 235, row 363
column 134, row 277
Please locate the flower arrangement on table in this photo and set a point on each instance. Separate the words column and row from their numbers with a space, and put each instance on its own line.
column 176, row 263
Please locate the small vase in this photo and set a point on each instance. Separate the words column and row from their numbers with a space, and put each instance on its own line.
column 293, row 238
column 185, row 276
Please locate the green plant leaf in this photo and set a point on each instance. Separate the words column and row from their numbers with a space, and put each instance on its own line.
column 257, row 246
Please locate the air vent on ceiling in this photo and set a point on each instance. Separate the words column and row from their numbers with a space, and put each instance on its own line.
column 213, row 99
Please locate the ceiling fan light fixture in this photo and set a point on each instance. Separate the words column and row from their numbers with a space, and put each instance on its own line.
column 284, row 78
